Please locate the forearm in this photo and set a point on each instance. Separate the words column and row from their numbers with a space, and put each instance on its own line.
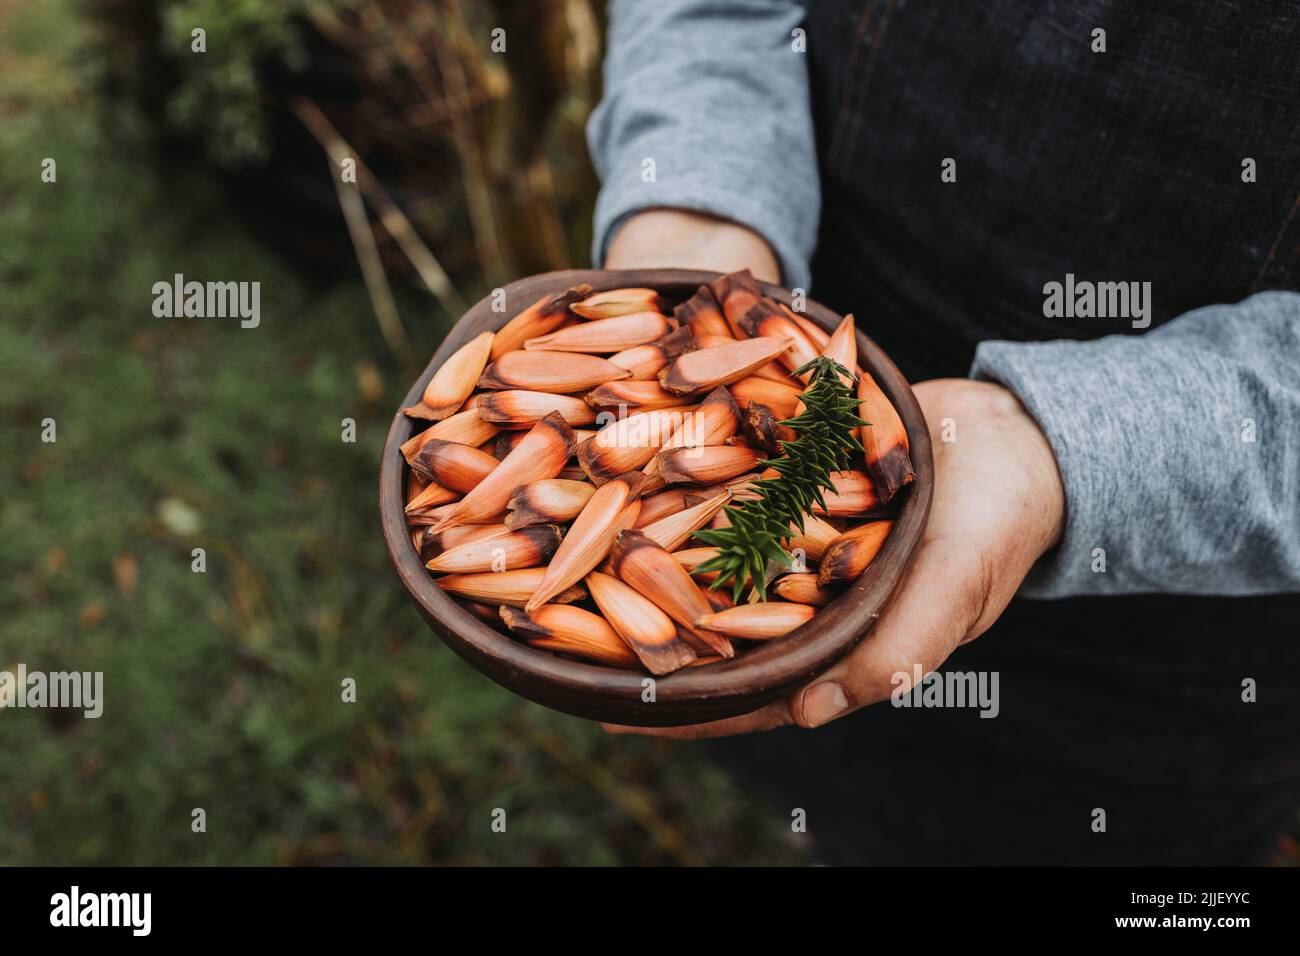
column 706, row 109
column 1179, row 451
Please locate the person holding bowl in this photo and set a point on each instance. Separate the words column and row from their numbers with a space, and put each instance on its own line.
column 1076, row 228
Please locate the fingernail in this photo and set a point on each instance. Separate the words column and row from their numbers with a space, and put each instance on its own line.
column 824, row 703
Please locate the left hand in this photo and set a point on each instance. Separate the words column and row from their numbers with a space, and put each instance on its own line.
column 998, row 506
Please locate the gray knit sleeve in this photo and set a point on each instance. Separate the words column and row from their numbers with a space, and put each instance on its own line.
column 706, row 107
column 1179, row 449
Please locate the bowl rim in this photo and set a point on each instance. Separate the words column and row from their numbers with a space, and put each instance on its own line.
column 599, row 692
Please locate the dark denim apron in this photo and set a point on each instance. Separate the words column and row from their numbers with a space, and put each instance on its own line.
column 1117, row 166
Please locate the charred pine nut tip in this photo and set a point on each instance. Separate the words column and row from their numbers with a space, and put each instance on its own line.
column 570, row 630
column 521, row 622
column 885, row 440
column 760, row 427
column 706, row 642
column 649, row 632
column 526, row 548
column 705, row 369
column 652, row 571
column 549, row 501
column 765, row 319
column 702, row 314
column 802, row 588
column 516, row 407
column 432, row 518
column 612, row 508
column 543, row 453
column 851, row 553
column 456, row 466
column 505, row 443
column 545, row 315
column 627, row 444
column 487, row 613
column 556, row 372
column 719, row 600
column 677, row 342
column 436, row 542
column 717, row 418
column 615, row 302
column 419, row 410
column 714, row 422
column 737, row 293
column 643, row 362
column 465, row 428
column 640, row 395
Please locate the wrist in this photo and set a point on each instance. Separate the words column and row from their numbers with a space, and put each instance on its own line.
column 1046, row 501
column 680, row 238
column 1013, row 452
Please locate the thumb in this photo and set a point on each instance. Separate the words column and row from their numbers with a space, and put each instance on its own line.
column 937, row 606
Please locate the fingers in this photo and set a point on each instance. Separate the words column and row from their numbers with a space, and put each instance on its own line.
column 940, row 601
column 982, row 538
column 937, row 606
column 775, row 714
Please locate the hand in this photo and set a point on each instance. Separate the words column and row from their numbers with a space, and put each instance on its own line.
column 666, row 238
column 998, row 506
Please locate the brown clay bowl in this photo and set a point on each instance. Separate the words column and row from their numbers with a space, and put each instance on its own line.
column 691, row 695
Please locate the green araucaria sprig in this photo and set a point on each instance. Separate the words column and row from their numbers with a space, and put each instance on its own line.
column 760, row 528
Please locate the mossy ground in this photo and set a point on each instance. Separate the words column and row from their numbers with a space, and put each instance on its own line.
column 223, row 688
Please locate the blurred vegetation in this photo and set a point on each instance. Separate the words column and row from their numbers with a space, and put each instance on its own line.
column 223, row 688
column 469, row 113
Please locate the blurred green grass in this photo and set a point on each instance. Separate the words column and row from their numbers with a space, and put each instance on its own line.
column 223, row 688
